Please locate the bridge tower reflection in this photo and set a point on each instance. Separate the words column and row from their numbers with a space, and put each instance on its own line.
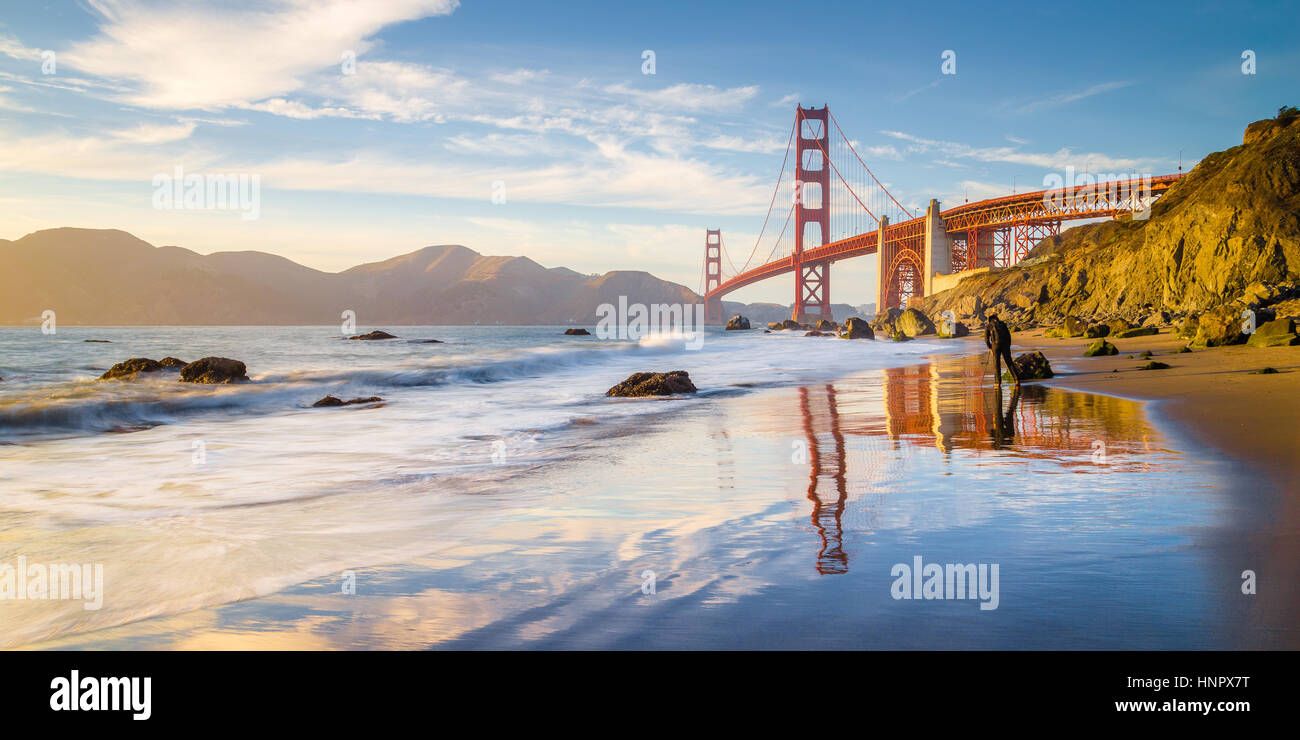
column 828, row 508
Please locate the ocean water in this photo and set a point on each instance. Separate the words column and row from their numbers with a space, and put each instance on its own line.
column 496, row 497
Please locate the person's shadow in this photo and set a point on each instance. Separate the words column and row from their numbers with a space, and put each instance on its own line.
column 1004, row 424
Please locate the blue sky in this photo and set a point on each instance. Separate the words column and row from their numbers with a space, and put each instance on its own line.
column 604, row 167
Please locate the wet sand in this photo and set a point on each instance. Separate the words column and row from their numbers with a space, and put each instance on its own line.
column 1213, row 398
column 772, row 519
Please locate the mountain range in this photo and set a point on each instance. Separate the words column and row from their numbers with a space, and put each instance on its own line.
column 109, row 277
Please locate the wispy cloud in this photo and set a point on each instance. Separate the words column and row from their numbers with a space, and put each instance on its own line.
column 1072, row 97
column 1057, row 160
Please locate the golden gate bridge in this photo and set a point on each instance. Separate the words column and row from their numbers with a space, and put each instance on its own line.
column 839, row 209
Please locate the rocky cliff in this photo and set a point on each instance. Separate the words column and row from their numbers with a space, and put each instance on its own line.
column 1229, row 227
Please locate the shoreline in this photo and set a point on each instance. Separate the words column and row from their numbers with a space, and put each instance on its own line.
column 1209, row 394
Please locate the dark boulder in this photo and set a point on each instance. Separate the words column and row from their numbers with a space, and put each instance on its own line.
column 815, row 333
column 856, row 328
column 1095, row 331
column 737, row 323
column 947, row 330
column 333, row 401
column 376, row 334
column 577, row 333
column 215, row 370
column 1154, row 365
column 1032, row 366
column 132, row 367
column 654, row 384
column 96, row 341
column 826, row 325
column 172, row 362
column 791, row 324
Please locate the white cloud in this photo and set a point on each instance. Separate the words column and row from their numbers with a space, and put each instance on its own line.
column 688, row 96
column 188, row 55
column 1065, row 98
column 1058, row 160
column 157, row 134
column 520, row 76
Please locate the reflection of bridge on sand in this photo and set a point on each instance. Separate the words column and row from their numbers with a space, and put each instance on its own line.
column 861, row 434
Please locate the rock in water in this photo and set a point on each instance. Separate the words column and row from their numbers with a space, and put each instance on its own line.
column 333, row 401
column 1100, row 348
column 856, row 328
column 737, row 323
column 826, row 325
column 913, row 323
column 376, row 334
column 654, row 384
column 884, row 321
column 1032, row 366
column 1276, row 333
column 97, row 341
column 172, row 362
column 215, row 370
column 132, row 367
column 815, row 333
column 791, row 324
column 577, row 333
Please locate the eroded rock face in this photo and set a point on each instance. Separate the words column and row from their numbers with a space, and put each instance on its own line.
column 372, row 335
column 215, row 370
column 131, row 368
column 1232, row 222
column 856, row 328
column 737, row 323
column 654, row 384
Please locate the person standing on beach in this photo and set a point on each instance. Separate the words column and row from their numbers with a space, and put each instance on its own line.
column 998, row 338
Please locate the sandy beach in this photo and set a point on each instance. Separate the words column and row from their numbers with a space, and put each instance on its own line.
column 764, row 508
column 1214, row 398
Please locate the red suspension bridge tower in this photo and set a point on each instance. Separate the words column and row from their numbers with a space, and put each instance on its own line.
column 812, row 278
